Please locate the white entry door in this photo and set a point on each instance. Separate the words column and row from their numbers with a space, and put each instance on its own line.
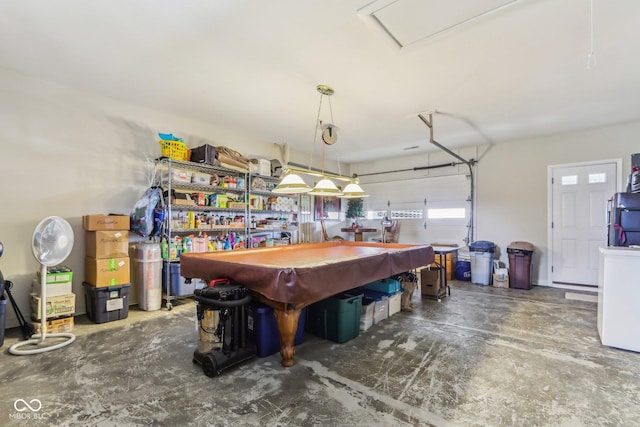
column 579, row 220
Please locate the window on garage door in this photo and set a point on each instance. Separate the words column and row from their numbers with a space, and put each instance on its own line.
column 431, row 210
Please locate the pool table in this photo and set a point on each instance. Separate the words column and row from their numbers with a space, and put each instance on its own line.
column 288, row 278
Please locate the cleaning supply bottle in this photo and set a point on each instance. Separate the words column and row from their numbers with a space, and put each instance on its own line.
column 164, row 249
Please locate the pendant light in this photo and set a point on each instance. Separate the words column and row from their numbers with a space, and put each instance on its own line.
column 353, row 191
column 292, row 184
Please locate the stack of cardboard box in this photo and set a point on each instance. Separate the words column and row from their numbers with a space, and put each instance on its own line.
column 107, row 267
column 60, row 304
column 107, row 250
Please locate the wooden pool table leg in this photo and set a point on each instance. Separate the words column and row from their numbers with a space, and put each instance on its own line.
column 287, row 320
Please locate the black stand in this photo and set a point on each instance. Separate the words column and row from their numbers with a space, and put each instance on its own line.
column 25, row 328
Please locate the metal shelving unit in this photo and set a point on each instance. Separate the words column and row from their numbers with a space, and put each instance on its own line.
column 252, row 231
column 165, row 167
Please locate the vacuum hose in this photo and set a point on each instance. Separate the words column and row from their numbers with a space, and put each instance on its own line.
column 216, row 303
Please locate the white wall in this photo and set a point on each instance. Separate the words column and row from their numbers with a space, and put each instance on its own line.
column 511, row 181
column 69, row 153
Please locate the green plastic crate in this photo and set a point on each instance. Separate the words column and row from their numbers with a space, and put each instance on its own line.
column 336, row 318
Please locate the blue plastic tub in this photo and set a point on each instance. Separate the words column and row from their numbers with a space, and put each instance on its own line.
column 265, row 329
column 463, row 270
column 179, row 285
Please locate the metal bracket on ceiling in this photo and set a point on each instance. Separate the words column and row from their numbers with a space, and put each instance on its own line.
column 469, row 163
column 429, row 123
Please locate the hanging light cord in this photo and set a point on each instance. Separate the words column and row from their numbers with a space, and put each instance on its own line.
column 315, row 134
column 591, row 58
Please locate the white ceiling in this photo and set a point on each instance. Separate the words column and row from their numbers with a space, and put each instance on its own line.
column 252, row 66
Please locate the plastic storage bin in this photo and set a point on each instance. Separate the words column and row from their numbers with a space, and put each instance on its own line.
column 463, row 270
column 336, row 318
column 180, row 287
column 482, row 253
column 147, row 276
column 387, row 286
column 106, row 304
column 381, row 304
column 366, row 313
column 395, row 303
column 3, row 311
column 265, row 329
column 520, row 256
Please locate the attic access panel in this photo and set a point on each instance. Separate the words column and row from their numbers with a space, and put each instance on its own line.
column 411, row 21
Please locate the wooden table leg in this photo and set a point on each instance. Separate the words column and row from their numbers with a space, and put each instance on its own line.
column 287, row 320
column 357, row 237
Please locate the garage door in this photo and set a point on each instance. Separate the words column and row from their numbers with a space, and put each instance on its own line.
column 430, row 210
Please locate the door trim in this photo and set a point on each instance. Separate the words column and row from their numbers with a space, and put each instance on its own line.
column 550, row 168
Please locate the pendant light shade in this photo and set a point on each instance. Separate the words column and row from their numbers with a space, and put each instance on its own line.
column 353, row 191
column 292, row 184
column 325, row 187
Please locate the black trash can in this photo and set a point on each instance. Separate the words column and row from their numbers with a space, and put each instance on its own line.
column 520, row 266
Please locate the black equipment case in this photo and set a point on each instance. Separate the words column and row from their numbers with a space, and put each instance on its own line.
column 624, row 219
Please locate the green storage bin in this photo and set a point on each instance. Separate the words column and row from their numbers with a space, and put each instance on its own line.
column 336, row 318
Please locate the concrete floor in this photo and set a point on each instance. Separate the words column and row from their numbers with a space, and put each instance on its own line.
column 481, row 357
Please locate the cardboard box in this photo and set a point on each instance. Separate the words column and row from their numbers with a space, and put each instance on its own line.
column 260, row 166
column 55, row 326
column 105, row 222
column 431, row 281
column 58, row 277
column 500, row 280
column 107, row 244
column 61, row 305
column 235, row 205
column 218, row 201
column 53, row 289
column 107, row 271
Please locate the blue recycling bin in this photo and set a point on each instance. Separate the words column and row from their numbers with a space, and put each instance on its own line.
column 482, row 253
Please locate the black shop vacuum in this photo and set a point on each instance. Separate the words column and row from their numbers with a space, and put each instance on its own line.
column 225, row 337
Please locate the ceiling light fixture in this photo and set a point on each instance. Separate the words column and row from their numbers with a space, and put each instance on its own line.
column 292, row 182
column 325, row 187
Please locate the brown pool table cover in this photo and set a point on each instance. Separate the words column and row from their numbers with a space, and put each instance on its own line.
column 305, row 273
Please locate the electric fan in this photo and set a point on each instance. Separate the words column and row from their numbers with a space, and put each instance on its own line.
column 51, row 245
